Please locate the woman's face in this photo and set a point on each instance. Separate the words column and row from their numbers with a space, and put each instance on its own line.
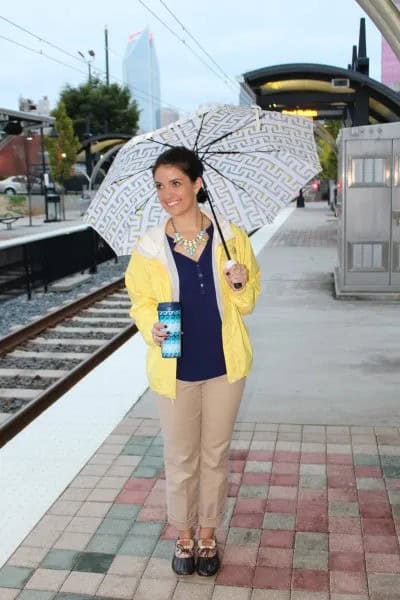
column 176, row 191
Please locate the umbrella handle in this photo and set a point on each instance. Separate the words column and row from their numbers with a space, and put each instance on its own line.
column 230, row 262
column 228, row 265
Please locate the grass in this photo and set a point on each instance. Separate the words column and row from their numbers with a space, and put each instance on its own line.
column 17, row 204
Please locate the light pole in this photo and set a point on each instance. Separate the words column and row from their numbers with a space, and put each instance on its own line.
column 63, row 157
column 42, row 151
column 28, row 138
column 88, row 61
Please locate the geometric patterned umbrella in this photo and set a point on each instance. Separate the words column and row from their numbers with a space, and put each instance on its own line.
column 255, row 162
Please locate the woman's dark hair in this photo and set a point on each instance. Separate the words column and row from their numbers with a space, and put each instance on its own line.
column 187, row 161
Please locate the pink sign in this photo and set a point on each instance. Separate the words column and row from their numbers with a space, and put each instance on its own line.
column 390, row 64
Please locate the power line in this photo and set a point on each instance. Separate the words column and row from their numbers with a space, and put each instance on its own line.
column 40, row 38
column 41, row 53
column 144, row 95
column 183, row 41
column 201, row 47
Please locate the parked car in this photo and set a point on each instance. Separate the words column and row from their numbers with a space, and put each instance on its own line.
column 17, row 184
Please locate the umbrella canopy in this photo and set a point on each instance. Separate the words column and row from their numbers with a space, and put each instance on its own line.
column 255, row 162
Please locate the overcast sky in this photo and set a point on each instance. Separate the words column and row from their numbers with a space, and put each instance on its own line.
column 254, row 34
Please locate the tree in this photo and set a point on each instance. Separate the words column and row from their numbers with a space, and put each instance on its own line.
column 96, row 108
column 327, row 151
column 63, row 148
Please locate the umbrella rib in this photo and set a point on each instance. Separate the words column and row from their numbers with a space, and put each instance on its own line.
column 198, row 133
column 141, row 206
column 147, row 168
column 161, row 143
column 225, row 176
column 240, row 152
column 222, row 137
column 128, row 176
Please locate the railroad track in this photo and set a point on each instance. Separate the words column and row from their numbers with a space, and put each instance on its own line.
column 40, row 362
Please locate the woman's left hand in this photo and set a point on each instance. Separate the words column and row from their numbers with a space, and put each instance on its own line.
column 237, row 274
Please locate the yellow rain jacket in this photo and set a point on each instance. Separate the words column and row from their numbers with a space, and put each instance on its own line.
column 152, row 277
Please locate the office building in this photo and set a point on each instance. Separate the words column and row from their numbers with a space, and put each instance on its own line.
column 142, row 76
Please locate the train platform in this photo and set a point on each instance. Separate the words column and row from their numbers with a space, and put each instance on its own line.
column 22, row 231
column 314, row 499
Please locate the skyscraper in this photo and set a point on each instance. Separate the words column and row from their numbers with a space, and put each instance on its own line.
column 142, row 76
column 390, row 63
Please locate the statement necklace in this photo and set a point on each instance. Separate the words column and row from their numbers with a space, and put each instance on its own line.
column 190, row 246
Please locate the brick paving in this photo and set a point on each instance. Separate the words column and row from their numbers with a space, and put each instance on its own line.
column 324, row 237
column 313, row 513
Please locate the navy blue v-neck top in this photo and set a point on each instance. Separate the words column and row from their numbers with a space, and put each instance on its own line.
column 202, row 355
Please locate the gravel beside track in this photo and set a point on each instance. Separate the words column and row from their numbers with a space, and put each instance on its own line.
column 109, row 314
column 102, row 324
column 53, row 335
column 20, row 311
column 11, row 405
column 36, row 383
column 112, row 305
column 58, row 348
column 8, row 362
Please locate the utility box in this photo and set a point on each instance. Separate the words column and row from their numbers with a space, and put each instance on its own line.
column 368, row 210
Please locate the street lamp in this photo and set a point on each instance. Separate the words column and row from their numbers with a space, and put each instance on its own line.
column 92, row 54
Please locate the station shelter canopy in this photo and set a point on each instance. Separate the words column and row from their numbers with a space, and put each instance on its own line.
column 324, row 92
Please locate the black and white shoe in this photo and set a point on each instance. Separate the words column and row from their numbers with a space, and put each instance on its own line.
column 208, row 561
column 183, row 562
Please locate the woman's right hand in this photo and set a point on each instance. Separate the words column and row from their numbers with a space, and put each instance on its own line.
column 159, row 333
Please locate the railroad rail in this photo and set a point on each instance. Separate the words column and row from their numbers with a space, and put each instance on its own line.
column 40, row 362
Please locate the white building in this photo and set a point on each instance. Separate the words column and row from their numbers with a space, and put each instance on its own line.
column 42, row 107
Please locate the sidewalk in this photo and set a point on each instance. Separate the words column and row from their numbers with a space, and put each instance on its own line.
column 314, row 501
column 21, row 228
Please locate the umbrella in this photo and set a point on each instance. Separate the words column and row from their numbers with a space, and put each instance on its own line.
column 255, row 162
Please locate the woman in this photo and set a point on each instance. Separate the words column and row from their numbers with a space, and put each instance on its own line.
column 198, row 394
